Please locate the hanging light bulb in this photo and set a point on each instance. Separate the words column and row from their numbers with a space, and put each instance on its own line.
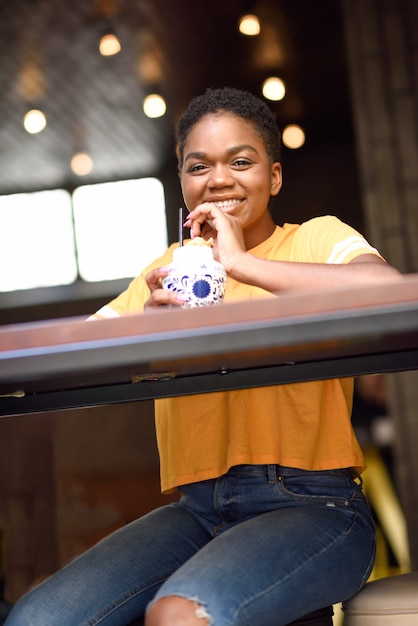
column 154, row 105
column 109, row 45
column 293, row 136
column 34, row 121
column 249, row 25
column 274, row 88
column 81, row 164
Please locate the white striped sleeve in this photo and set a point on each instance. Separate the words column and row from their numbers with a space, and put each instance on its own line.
column 105, row 312
column 343, row 248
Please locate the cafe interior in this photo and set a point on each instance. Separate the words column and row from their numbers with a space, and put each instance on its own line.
column 89, row 191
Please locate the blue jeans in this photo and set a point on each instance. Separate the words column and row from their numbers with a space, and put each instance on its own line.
column 263, row 544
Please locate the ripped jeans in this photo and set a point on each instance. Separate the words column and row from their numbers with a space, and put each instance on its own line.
column 262, row 544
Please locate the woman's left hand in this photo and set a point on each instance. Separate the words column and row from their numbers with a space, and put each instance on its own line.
column 207, row 221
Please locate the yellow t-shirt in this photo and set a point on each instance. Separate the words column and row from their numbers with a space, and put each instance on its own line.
column 305, row 425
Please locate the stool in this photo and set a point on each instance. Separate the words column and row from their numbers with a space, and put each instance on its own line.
column 391, row 601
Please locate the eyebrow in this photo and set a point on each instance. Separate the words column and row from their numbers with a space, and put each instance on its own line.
column 230, row 151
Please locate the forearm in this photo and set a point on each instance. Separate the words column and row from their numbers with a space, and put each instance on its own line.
column 276, row 276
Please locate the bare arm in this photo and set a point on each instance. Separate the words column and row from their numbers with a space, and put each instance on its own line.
column 277, row 276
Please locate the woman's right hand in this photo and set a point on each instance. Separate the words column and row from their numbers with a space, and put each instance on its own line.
column 159, row 296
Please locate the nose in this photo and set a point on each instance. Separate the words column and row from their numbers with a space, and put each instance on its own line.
column 220, row 176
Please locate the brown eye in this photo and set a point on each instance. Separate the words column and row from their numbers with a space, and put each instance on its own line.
column 242, row 163
column 196, row 168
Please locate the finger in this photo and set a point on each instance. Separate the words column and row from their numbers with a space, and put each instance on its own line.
column 195, row 225
column 201, row 213
column 153, row 278
column 164, row 297
column 201, row 220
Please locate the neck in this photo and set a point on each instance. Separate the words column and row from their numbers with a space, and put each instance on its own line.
column 259, row 232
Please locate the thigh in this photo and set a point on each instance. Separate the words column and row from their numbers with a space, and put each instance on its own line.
column 112, row 582
column 278, row 566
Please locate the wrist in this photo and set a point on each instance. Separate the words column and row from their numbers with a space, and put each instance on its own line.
column 240, row 266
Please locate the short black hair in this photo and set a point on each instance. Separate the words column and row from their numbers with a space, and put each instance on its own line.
column 238, row 102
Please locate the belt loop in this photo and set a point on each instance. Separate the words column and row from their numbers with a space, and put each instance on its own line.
column 272, row 473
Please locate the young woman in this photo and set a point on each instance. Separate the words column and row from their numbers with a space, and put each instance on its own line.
column 272, row 523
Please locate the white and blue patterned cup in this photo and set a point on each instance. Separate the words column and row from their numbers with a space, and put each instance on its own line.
column 196, row 274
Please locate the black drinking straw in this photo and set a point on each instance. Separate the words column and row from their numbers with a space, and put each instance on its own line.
column 181, row 219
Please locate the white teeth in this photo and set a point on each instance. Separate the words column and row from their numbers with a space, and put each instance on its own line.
column 226, row 203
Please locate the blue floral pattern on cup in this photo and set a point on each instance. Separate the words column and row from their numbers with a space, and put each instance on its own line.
column 202, row 279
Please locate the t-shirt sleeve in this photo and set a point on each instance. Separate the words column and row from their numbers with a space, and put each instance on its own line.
column 327, row 239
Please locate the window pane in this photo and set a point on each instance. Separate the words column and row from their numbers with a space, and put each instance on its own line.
column 120, row 227
column 36, row 240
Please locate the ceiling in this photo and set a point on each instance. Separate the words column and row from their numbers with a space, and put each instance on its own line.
column 49, row 60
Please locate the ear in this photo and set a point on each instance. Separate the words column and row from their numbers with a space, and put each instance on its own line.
column 276, row 178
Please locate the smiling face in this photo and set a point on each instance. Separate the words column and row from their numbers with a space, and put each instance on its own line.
column 226, row 162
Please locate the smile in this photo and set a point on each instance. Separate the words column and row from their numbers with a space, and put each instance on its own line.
column 225, row 204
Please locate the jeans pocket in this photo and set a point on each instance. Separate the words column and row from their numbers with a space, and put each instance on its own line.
column 327, row 488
